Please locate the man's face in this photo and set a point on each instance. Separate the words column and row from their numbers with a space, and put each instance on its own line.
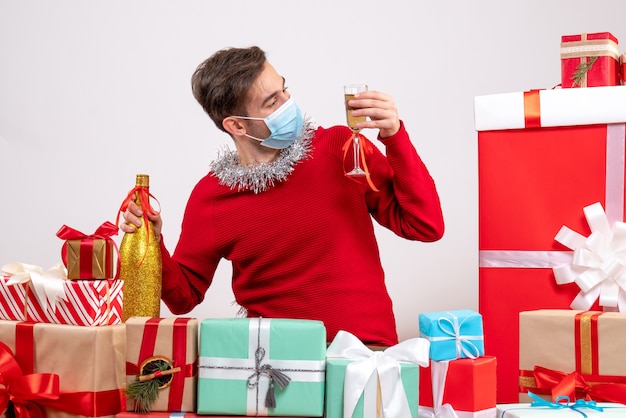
column 266, row 95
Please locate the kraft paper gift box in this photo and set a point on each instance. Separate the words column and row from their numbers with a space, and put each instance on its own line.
column 572, row 353
column 173, row 341
column 89, row 256
column 468, row 386
column 29, row 293
column 261, row 366
column 453, row 334
column 361, row 383
column 589, row 60
column 543, row 156
column 88, row 363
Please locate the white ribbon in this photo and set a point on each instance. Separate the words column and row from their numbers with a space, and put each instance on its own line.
column 438, row 373
column 452, row 328
column 383, row 365
column 598, row 264
column 48, row 286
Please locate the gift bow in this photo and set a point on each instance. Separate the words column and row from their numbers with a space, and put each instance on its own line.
column 47, row 286
column 598, row 265
column 104, row 231
column 562, row 384
column 386, row 364
column 563, row 402
column 438, row 373
column 24, row 390
column 452, row 328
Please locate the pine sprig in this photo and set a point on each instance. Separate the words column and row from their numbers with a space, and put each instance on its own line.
column 144, row 393
column 581, row 71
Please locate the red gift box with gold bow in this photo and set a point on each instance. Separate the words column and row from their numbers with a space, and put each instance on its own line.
column 543, row 156
column 62, row 371
column 572, row 353
column 89, row 256
column 589, row 60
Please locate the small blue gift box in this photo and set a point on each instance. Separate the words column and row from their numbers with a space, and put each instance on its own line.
column 453, row 334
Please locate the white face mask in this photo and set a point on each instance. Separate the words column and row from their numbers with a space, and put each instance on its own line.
column 285, row 125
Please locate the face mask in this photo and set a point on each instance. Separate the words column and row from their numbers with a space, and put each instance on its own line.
column 285, row 125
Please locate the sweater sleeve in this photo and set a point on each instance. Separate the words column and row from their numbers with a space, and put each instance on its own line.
column 188, row 273
column 407, row 202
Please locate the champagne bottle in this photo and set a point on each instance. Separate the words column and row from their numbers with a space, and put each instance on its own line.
column 140, row 259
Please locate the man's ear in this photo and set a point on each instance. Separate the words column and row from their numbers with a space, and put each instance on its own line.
column 233, row 126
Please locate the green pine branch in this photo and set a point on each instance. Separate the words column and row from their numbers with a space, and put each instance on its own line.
column 581, row 71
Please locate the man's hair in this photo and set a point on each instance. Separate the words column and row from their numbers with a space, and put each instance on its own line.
column 221, row 83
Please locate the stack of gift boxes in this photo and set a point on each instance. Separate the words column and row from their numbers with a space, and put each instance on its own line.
column 460, row 379
column 552, row 238
column 65, row 353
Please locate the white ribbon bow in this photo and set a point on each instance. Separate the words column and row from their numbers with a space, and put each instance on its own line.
column 386, row 364
column 452, row 328
column 438, row 373
column 46, row 285
column 598, row 264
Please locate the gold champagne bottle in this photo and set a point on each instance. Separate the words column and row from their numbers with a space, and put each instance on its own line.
column 140, row 259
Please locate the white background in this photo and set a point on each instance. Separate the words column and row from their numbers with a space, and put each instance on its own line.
column 93, row 92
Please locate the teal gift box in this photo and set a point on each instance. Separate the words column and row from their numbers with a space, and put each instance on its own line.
column 453, row 334
column 361, row 383
column 261, row 367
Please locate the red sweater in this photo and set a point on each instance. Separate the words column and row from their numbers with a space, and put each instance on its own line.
column 305, row 248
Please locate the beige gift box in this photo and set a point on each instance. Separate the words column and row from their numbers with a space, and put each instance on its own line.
column 175, row 339
column 90, row 363
column 564, row 341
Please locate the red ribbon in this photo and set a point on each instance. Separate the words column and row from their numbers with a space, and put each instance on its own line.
column 179, row 357
column 91, row 404
column 143, row 194
column 575, row 386
column 532, row 109
column 24, row 391
column 104, row 231
column 364, row 148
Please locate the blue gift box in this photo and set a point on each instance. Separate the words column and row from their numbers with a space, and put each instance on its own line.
column 453, row 334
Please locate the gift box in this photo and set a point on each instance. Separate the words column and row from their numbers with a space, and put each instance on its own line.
column 261, row 366
column 466, row 385
column 164, row 344
column 543, row 156
column 89, row 256
column 564, row 408
column 34, row 295
column 361, row 383
column 453, row 334
column 572, row 353
column 85, row 365
column 589, row 60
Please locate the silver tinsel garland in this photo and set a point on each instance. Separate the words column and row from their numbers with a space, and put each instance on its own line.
column 260, row 177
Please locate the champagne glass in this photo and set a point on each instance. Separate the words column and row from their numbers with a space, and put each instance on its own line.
column 349, row 91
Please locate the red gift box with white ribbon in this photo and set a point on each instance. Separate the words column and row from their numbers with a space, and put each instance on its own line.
column 543, row 157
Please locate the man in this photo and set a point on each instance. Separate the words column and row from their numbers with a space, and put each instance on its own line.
column 297, row 230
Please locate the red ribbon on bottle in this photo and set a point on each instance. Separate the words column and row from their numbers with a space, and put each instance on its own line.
column 179, row 357
column 104, row 231
column 144, row 195
column 365, row 147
